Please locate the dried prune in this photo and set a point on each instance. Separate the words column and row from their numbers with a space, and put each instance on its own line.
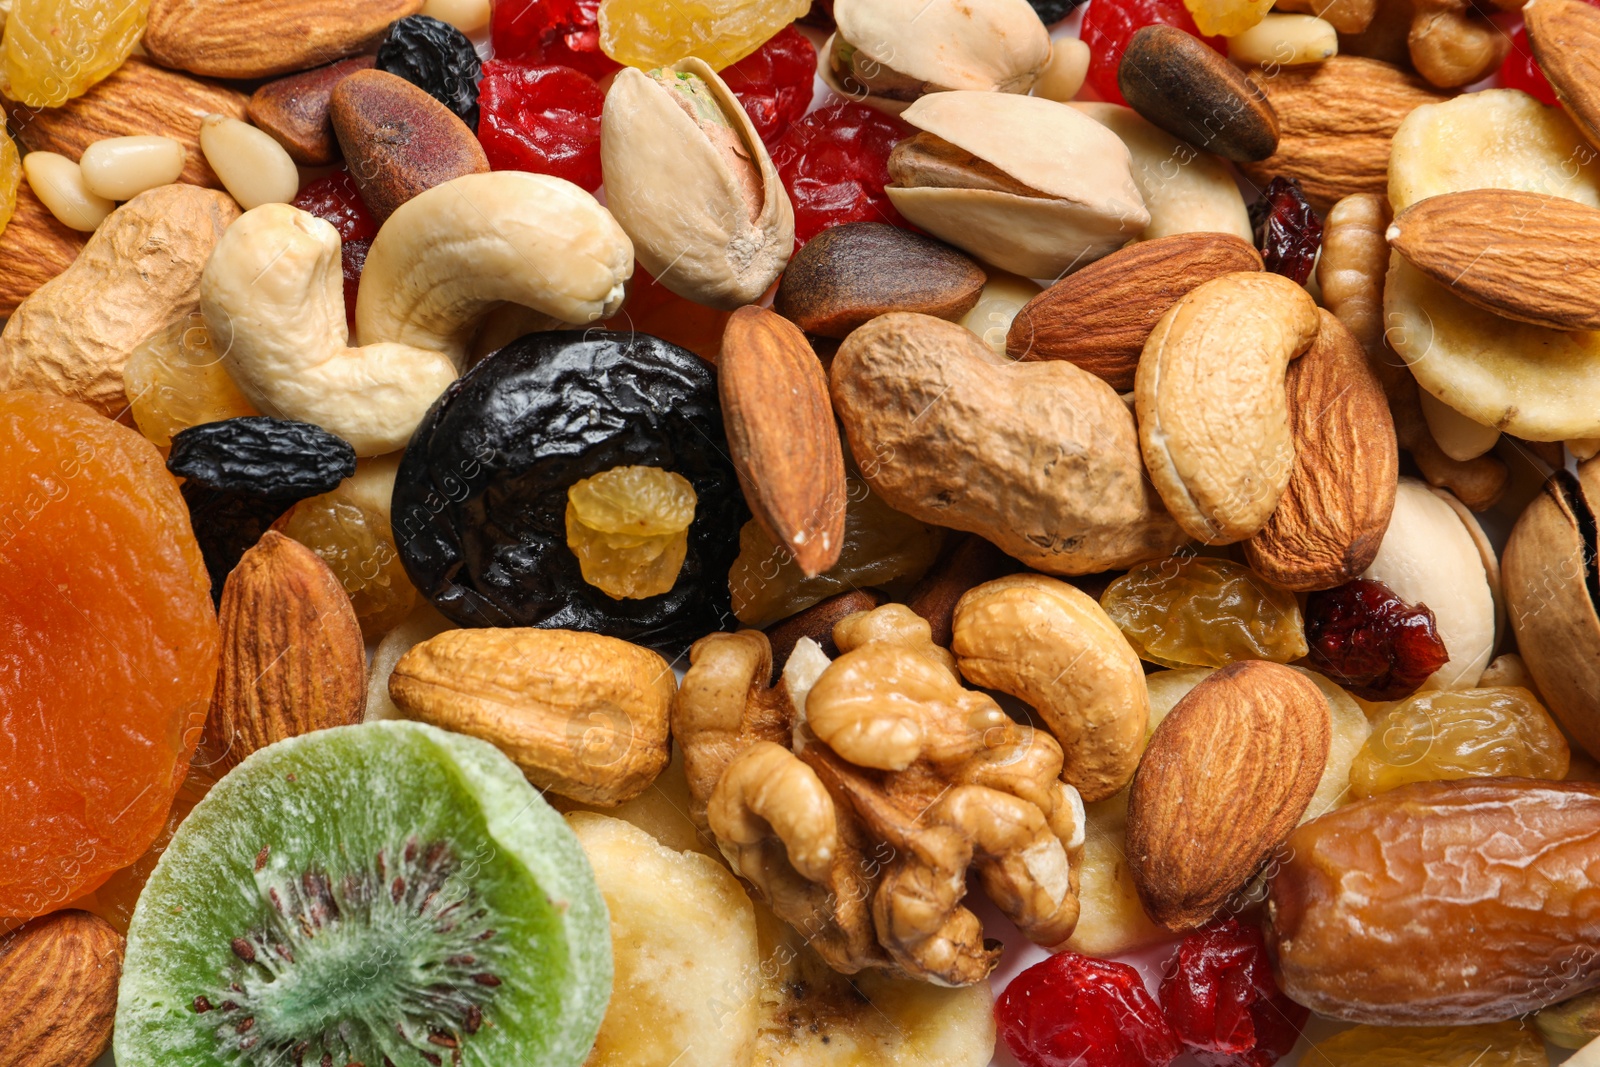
column 1370, row 641
column 1051, row 12
column 480, row 503
column 1288, row 230
column 240, row 475
column 436, row 57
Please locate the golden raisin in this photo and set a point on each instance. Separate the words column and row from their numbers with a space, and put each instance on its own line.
column 1204, row 612
column 648, row 33
column 175, row 380
column 1508, row 1044
column 1227, row 18
column 10, row 178
column 629, row 528
column 56, row 49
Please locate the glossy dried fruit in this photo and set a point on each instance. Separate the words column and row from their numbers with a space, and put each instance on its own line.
column 551, row 31
column 336, row 199
column 647, row 33
column 1201, row 612
column 1110, row 24
column 1370, row 641
column 436, row 57
column 541, row 119
column 654, row 309
column 1219, row 995
column 629, row 528
column 175, row 379
column 10, row 179
column 1072, row 1010
column 1288, row 230
column 1051, row 12
column 835, row 162
column 110, row 645
column 56, row 49
column 1227, row 18
column 1476, row 902
column 774, row 83
column 1508, row 1044
column 1522, row 71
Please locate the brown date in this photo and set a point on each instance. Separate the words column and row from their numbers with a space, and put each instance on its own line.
column 1440, row 903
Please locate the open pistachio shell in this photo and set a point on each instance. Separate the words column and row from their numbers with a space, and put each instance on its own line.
column 693, row 186
column 1081, row 203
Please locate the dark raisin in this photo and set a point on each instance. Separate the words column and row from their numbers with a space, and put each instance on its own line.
column 241, row 475
column 1370, row 641
column 1053, row 11
column 436, row 57
column 479, row 510
column 1288, row 230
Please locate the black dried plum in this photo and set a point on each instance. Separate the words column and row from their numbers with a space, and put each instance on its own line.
column 1051, row 12
column 437, row 58
column 479, row 510
column 241, row 475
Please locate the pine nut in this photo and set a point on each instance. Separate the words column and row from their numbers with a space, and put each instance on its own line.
column 1456, row 435
column 468, row 16
column 253, row 167
column 58, row 183
column 1284, row 41
column 1063, row 76
column 120, row 168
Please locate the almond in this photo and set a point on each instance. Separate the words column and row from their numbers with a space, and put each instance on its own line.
column 34, row 248
column 58, row 990
column 1565, row 35
column 139, row 98
column 1337, row 119
column 293, row 659
column 264, row 38
column 1524, row 256
column 1100, row 317
column 782, row 436
column 1223, row 782
column 1332, row 517
column 294, row 110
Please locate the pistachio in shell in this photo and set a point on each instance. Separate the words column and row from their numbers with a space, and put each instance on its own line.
column 1195, row 94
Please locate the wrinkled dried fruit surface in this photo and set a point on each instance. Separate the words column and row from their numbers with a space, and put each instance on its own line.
column 774, row 83
column 10, row 179
column 1227, row 18
column 835, row 163
column 1371, row 642
column 110, row 646
column 1509, row 1044
column 1220, row 997
column 1462, row 733
column 648, row 33
column 56, row 49
column 1110, row 24
column 551, row 31
column 1204, row 612
column 541, row 119
column 1072, row 1010
column 175, row 380
column 438, row 59
column 1051, row 12
column 629, row 528
column 1288, row 230
column 336, row 199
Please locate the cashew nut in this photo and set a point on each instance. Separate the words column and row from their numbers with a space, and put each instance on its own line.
column 767, row 792
column 272, row 296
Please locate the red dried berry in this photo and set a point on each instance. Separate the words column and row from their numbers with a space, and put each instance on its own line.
column 1521, row 70
column 543, row 119
column 1109, row 24
column 1219, row 995
column 1288, row 230
column 564, row 32
column 774, row 82
column 1078, row 1011
column 336, row 199
column 1371, row 642
column 835, row 163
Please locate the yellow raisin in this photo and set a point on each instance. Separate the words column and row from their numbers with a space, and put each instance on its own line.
column 56, row 49
column 1463, row 733
column 649, row 33
column 1227, row 18
column 1508, row 1044
column 349, row 528
column 629, row 528
column 176, row 380
column 10, row 178
column 1204, row 612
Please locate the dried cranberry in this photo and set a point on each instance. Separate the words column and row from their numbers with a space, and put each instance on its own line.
column 1109, row 24
column 835, row 163
column 1370, row 641
column 1077, row 1011
column 336, row 199
column 566, row 32
column 1521, row 70
column 1219, row 996
column 774, row 82
column 1288, row 230
column 541, row 119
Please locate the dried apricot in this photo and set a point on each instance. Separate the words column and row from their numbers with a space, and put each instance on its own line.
column 109, row 643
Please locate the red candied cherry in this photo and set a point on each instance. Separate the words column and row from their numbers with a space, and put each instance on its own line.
column 565, row 32
column 542, row 119
column 1222, row 1002
column 835, row 163
column 1078, row 1011
column 1288, row 230
column 774, row 82
column 1521, row 70
column 336, row 199
column 1110, row 24
column 1371, row 642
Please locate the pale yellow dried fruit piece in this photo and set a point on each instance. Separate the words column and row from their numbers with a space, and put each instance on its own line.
column 10, row 179
column 1227, row 17
column 176, row 380
column 54, row 50
column 649, row 33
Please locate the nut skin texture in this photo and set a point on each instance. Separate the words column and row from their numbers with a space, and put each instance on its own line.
column 293, row 659
column 1332, row 516
column 1452, row 44
column 1346, row 16
column 1195, row 94
column 1050, row 645
column 1552, row 594
column 262, row 38
column 580, row 714
column 963, row 564
column 138, row 273
column 782, row 436
column 1223, row 781
column 294, row 110
column 1212, row 408
column 817, row 622
column 34, row 247
column 1441, row 903
column 58, row 990
column 1100, row 317
column 1565, row 35
column 917, row 397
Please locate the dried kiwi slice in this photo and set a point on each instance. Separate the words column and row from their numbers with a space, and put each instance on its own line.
column 380, row 894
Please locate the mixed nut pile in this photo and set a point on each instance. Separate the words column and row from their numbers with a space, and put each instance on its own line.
column 595, row 556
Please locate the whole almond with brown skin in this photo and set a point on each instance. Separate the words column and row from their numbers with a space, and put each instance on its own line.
column 1523, row 256
column 965, row 563
column 1223, row 781
column 34, row 247
column 1100, row 317
column 782, row 436
column 398, row 141
column 1332, row 517
column 293, row 659
column 1442, row 903
column 294, row 110
column 262, row 38
column 1565, row 35
column 58, row 990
